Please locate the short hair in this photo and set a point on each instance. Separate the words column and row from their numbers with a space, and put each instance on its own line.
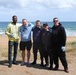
column 37, row 21
column 45, row 24
column 55, row 18
column 24, row 19
column 14, row 16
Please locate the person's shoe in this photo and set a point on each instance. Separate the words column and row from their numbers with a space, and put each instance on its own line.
column 56, row 68
column 15, row 63
column 42, row 65
column 50, row 68
column 33, row 63
column 22, row 64
column 9, row 66
column 46, row 64
column 66, row 70
column 27, row 63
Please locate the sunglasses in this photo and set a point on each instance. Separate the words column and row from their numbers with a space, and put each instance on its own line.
column 55, row 21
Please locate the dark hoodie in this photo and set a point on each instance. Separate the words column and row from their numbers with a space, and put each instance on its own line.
column 37, row 35
column 58, row 36
column 46, row 37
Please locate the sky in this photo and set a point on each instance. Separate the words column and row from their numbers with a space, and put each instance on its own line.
column 32, row 10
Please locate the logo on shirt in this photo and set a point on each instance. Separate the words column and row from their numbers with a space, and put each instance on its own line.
column 24, row 29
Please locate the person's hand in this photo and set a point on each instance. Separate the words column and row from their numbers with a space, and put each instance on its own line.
column 11, row 35
column 47, row 30
column 63, row 48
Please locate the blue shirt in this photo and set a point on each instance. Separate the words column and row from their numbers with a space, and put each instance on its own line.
column 26, row 32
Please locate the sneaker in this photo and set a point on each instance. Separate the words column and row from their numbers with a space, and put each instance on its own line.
column 15, row 63
column 66, row 70
column 56, row 68
column 23, row 63
column 33, row 63
column 9, row 66
column 42, row 65
column 27, row 63
column 46, row 64
column 50, row 68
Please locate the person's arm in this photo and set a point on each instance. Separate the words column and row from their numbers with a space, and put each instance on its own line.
column 32, row 29
column 19, row 32
column 7, row 31
column 41, row 36
column 63, row 38
column 33, row 26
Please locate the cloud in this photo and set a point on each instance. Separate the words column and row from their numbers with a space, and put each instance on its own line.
column 37, row 9
column 57, row 3
column 13, row 3
column 36, row 4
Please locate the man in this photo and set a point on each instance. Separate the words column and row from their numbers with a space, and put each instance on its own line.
column 58, row 44
column 46, row 41
column 12, row 31
column 25, row 42
column 37, row 42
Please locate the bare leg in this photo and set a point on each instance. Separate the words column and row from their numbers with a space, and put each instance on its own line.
column 23, row 56
column 28, row 56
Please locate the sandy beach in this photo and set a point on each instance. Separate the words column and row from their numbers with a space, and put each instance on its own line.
column 4, row 41
column 36, row 70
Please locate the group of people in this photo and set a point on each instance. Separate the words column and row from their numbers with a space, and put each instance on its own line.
column 49, row 41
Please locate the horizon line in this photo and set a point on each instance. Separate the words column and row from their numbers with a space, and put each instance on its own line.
column 41, row 21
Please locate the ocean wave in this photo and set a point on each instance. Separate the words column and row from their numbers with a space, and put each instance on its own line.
column 2, row 32
column 68, row 32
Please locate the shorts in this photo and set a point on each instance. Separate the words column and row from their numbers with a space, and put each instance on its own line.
column 25, row 45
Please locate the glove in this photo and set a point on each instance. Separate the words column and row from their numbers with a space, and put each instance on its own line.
column 63, row 48
column 11, row 35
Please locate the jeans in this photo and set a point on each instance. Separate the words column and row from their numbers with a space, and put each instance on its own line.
column 10, row 45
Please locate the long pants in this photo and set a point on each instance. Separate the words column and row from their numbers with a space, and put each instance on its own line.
column 10, row 45
column 47, row 53
column 37, row 47
column 59, row 53
column 50, row 53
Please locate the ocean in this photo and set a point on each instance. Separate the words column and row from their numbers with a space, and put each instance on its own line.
column 70, row 27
